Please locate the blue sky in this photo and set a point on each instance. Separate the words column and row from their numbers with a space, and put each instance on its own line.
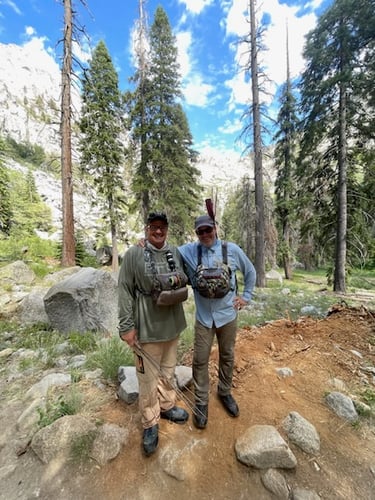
column 216, row 91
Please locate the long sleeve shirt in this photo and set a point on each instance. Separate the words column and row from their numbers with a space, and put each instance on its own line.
column 136, row 307
column 218, row 312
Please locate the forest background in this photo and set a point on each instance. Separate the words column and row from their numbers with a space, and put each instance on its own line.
column 135, row 152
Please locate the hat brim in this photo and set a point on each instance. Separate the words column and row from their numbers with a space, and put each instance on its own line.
column 205, row 224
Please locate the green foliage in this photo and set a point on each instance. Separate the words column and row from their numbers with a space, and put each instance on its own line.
column 165, row 176
column 30, row 248
column 83, row 343
column 335, row 148
column 82, row 257
column 110, row 355
column 29, row 211
column 25, row 151
column 36, row 336
column 368, row 397
column 102, row 126
column 68, row 403
column 6, row 212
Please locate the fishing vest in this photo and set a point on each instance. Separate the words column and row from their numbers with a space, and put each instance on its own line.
column 213, row 282
column 168, row 288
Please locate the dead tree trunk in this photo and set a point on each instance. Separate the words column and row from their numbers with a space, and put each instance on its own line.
column 68, row 241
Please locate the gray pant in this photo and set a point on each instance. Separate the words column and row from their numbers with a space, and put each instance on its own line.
column 204, row 337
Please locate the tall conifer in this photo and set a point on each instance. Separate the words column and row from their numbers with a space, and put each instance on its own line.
column 101, row 145
column 165, row 176
column 337, row 53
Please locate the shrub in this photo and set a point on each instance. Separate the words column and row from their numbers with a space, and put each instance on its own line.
column 111, row 354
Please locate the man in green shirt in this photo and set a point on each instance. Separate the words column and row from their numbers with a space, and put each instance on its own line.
column 152, row 330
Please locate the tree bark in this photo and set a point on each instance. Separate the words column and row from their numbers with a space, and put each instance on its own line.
column 68, row 241
column 341, row 232
column 258, row 167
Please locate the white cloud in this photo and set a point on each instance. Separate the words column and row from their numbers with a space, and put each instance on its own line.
column 274, row 59
column 196, row 6
column 197, row 92
column 30, row 31
column 231, row 127
column 183, row 41
column 12, row 5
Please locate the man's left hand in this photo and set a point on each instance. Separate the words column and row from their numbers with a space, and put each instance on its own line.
column 239, row 302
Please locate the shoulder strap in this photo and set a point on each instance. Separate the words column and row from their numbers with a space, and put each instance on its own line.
column 224, row 249
column 150, row 258
column 199, row 250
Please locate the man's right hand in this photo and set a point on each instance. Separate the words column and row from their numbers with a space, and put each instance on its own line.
column 130, row 337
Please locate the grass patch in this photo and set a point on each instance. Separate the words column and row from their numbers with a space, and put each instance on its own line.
column 111, row 353
column 368, row 397
column 83, row 343
column 68, row 403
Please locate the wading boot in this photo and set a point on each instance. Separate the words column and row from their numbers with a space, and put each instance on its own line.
column 176, row 415
column 200, row 416
column 150, row 439
column 230, row 405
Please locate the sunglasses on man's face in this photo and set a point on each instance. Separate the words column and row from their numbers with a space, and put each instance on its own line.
column 155, row 227
column 205, row 230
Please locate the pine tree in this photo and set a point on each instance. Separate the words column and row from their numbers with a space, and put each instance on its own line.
column 285, row 158
column 165, row 176
column 102, row 126
column 332, row 102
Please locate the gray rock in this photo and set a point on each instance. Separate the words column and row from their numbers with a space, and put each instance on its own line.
column 342, row 405
column 29, row 418
column 276, row 483
column 129, row 389
column 302, row 494
column 40, row 389
column 108, row 443
column 77, row 361
column 274, row 275
column 184, row 376
column 54, row 278
column 302, row 433
column 31, row 309
column 86, row 301
column 57, row 439
column 177, row 458
column 309, row 310
column 262, row 447
column 284, row 372
column 17, row 273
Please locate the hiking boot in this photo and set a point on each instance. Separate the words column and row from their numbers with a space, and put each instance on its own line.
column 200, row 416
column 150, row 439
column 230, row 404
column 176, row 415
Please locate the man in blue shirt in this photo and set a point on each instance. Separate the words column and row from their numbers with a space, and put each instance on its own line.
column 215, row 315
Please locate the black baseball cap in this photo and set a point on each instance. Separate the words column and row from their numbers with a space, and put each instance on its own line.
column 204, row 221
column 157, row 216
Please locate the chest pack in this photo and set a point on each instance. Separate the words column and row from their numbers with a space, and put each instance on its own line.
column 167, row 288
column 213, row 282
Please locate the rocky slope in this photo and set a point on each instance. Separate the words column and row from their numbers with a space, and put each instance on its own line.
column 30, row 93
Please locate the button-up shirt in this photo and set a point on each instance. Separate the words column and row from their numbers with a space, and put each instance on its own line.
column 218, row 312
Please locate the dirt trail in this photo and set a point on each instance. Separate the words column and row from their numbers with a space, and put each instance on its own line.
column 316, row 351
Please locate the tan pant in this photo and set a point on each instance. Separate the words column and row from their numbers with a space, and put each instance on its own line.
column 203, row 339
column 155, row 373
